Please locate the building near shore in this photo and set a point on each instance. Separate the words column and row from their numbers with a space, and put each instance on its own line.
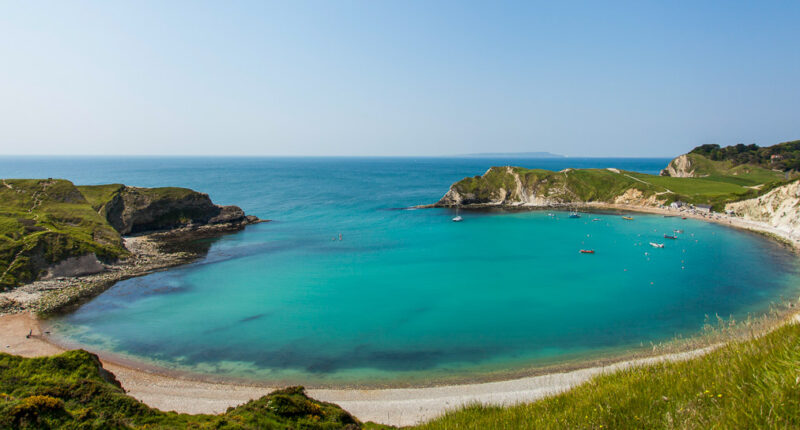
column 703, row 208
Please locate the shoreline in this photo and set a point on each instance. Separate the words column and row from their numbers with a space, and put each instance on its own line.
column 151, row 252
column 158, row 388
column 392, row 406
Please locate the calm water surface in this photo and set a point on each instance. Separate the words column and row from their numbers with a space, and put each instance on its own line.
column 408, row 295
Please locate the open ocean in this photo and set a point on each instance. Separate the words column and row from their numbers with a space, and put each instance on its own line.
column 407, row 296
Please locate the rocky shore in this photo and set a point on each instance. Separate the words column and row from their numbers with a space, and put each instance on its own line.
column 148, row 253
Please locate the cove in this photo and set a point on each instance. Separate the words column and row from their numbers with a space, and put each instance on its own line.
column 409, row 297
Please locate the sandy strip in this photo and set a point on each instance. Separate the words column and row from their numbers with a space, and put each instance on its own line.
column 402, row 406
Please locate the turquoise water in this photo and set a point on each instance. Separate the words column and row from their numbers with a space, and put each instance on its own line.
column 409, row 296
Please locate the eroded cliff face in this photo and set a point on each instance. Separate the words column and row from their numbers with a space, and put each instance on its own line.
column 511, row 186
column 680, row 167
column 136, row 210
column 780, row 208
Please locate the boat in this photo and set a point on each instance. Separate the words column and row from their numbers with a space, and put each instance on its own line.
column 457, row 218
column 677, row 231
column 683, row 217
column 587, row 251
column 666, row 236
column 656, row 245
column 596, row 219
column 629, row 218
column 574, row 215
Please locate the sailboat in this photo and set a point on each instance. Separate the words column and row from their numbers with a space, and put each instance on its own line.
column 457, row 218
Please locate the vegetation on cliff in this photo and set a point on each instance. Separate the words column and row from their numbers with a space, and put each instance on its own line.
column 783, row 156
column 44, row 221
column 47, row 221
column 72, row 390
column 536, row 187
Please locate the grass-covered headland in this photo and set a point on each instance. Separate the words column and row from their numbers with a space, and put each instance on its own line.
column 692, row 178
column 743, row 384
column 44, row 222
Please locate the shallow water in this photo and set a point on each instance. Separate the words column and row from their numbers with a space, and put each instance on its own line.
column 408, row 295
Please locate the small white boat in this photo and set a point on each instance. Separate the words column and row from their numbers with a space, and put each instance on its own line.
column 457, row 218
column 656, row 245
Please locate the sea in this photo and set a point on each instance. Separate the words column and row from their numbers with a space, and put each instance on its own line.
column 406, row 296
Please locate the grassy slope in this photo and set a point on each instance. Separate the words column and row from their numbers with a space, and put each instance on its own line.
column 753, row 384
column 591, row 185
column 45, row 221
column 727, row 171
column 71, row 390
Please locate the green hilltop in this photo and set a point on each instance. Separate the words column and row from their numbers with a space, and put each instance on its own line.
column 692, row 178
column 46, row 221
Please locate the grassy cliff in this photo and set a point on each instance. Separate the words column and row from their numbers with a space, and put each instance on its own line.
column 45, row 221
column 517, row 185
column 783, row 156
column 72, row 390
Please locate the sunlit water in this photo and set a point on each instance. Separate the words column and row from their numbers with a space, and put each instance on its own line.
column 408, row 296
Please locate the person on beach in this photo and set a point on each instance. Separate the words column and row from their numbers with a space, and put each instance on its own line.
column 30, row 333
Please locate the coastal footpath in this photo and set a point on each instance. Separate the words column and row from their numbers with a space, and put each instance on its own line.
column 61, row 244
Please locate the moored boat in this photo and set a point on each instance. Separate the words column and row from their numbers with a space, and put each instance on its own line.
column 666, row 236
column 629, row 218
column 656, row 245
column 587, row 251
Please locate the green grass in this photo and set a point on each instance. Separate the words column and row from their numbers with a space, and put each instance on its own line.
column 99, row 195
column 742, row 385
column 603, row 185
column 72, row 390
column 44, row 221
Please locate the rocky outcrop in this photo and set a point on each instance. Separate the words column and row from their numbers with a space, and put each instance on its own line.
column 515, row 186
column 136, row 210
column 780, row 208
column 86, row 264
column 680, row 167
column 49, row 228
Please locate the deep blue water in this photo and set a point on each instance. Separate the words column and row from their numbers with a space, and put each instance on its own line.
column 408, row 295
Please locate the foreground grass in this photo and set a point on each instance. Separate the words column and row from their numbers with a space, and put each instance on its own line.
column 71, row 390
column 744, row 384
column 749, row 384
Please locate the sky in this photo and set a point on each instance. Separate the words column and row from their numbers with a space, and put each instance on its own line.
column 396, row 78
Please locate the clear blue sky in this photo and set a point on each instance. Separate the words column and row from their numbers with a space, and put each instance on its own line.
column 633, row 78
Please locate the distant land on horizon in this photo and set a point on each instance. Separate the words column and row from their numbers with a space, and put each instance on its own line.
column 512, row 154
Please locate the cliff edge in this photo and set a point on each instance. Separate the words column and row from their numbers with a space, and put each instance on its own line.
column 52, row 228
